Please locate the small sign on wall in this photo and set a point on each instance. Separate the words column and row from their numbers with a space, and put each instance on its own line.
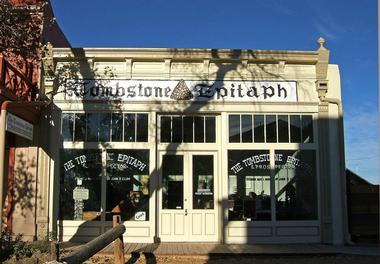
column 19, row 126
column 80, row 194
column 140, row 216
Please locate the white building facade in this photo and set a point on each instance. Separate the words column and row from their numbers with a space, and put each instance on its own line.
column 189, row 145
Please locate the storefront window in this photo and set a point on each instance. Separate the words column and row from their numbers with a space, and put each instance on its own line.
column 249, row 185
column 80, row 127
column 210, row 129
column 117, row 127
column 275, row 129
column 259, row 128
column 67, row 126
column 128, row 184
column 188, row 129
column 283, row 128
column 177, row 129
column 295, row 185
column 234, row 128
column 98, row 127
column 246, row 128
column 307, row 129
column 271, row 128
column 80, row 184
column 199, row 129
column 129, row 127
column 295, row 129
column 142, row 128
column 104, row 127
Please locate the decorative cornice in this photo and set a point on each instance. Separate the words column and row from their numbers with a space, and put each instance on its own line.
column 264, row 56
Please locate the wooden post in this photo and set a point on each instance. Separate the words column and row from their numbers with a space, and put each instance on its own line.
column 118, row 244
column 89, row 249
column 54, row 251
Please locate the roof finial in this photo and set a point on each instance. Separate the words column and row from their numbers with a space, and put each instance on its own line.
column 321, row 41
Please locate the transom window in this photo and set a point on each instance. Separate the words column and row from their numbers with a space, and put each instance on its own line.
column 248, row 128
column 188, row 129
column 104, row 127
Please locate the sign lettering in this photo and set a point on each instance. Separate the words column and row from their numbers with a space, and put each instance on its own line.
column 159, row 90
column 19, row 126
column 255, row 162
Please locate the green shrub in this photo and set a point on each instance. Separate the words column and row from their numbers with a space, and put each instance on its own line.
column 7, row 244
column 13, row 245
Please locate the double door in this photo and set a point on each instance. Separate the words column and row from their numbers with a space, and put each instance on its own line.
column 187, row 197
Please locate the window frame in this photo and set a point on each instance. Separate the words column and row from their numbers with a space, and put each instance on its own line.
column 204, row 116
column 124, row 113
column 276, row 118
column 272, row 147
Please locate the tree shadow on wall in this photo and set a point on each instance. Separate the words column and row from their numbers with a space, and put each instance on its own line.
column 22, row 198
column 224, row 63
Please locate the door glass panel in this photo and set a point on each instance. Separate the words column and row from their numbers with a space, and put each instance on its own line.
column 172, row 182
column 203, row 182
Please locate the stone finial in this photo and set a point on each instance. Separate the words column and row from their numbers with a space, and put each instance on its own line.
column 321, row 41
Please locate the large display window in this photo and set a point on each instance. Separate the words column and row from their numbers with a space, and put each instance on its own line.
column 295, row 185
column 80, row 184
column 128, row 184
column 126, row 180
column 250, row 181
column 249, row 185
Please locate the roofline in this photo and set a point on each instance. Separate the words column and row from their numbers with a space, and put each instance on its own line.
column 289, row 56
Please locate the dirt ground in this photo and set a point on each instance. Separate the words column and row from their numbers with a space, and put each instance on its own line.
column 238, row 259
column 226, row 259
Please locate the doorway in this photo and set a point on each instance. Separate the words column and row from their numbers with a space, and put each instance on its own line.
column 188, row 210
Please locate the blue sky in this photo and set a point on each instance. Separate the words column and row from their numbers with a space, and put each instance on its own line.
column 349, row 27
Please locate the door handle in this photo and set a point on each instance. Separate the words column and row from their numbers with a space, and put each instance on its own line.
column 185, row 212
